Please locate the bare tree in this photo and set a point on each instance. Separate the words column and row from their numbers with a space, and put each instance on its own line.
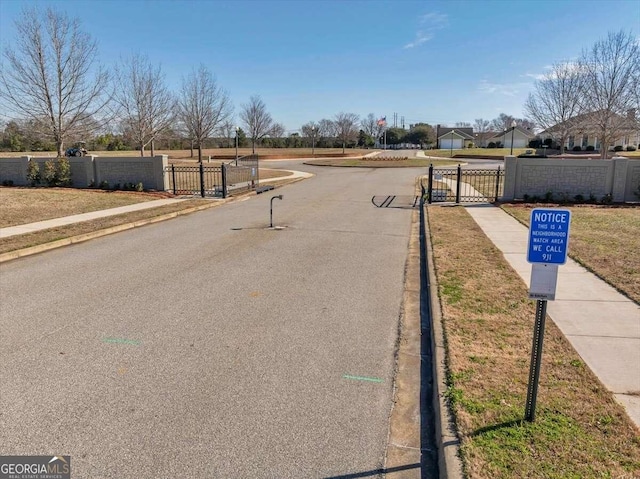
column 346, row 127
column 50, row 76
column 310, row 131
column 503, row 122
column 144, row 101
column 326, row 128
column 372, row 126
column 228, row 131
column 202, row 106
column 611, row 69
column 277, row 130
column 256, row 119
column 481, row 126
column 556, row 100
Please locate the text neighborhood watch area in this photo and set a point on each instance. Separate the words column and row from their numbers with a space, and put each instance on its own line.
column 548, row 236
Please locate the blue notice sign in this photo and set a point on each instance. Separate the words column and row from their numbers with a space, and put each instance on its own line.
column 548, row 236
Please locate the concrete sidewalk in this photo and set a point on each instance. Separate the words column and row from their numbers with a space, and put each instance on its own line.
column 67, row 220
column 602, row 325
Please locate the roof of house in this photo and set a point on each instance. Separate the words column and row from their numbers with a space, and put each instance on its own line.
column 457, row 132
column 587, row 121
column 524, row 131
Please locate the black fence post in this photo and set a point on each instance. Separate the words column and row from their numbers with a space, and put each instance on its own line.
column 224, row 180
column 430, row 185
column 458, row 184
column 497, row 185
column 173, row 178
column 201, row 180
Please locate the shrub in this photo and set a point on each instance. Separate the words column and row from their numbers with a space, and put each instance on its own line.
column 548, row 141
column 49, row 173
column 7, row 182
column 578, row 199
column 606, row 199
column 116, row 187
column 548, row 197
column 33, row 173
column 577, row 148
column 617, row 148
column 631, row 148
column 491, row 145
column 104, row 184
column 140, row 187
column 56, row 173
column 63, row 172
column 591, row 148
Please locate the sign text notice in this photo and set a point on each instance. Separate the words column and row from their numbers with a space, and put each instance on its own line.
column 548, row 236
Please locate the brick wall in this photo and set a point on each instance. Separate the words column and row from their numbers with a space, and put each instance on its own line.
column 569, row 178
column 94, row 169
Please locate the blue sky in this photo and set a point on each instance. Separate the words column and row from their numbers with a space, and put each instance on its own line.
column 430, row 61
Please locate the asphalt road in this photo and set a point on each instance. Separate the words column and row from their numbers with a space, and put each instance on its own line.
column 209, row 346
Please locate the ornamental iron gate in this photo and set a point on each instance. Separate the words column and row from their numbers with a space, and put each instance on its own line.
column 217, row 181
column 463, row 186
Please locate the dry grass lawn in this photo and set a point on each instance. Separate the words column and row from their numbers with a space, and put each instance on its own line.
column 28, row 205
column 579, row 432
column 604, row 239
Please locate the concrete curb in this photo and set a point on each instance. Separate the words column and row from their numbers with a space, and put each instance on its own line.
column 41, row 248
column 449, row 461
column 404, row 438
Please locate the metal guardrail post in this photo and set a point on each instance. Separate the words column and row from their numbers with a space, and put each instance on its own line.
column 459, row 178
column 201, row 180
column 430, row 184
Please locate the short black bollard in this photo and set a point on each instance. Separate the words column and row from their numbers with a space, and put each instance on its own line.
column 279, row 197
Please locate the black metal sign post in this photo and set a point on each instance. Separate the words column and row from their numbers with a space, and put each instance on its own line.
column 536, row 359
column 546, row 250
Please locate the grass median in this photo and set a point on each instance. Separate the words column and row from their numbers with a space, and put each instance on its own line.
column 579, row 432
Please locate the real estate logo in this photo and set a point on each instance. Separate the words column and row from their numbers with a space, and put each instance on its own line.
column 35, row 467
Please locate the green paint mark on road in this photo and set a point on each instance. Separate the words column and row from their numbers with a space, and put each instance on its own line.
column 135, row 342
column 362, row 378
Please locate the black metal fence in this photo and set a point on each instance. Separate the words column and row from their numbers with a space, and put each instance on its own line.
column 238, row 175
column 463, row 185
column 243, row 174
column 195, row 180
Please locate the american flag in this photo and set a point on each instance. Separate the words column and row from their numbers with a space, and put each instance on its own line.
column 382, row 121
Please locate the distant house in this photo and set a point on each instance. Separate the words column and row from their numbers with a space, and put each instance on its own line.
column 453, row 138
column 481, row 138
column 521, row 137
column 583, row 131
